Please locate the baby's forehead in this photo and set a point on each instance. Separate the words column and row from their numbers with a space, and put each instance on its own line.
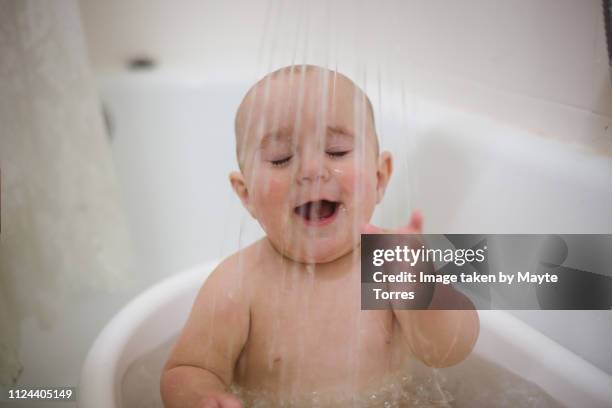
column 298, row 97
column 297, row 94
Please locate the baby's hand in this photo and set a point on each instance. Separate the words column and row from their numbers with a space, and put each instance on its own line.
column 414, row 226
column 220, row 400
column 425, row 291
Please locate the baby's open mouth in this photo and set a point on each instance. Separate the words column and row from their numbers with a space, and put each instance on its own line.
column 317, row 211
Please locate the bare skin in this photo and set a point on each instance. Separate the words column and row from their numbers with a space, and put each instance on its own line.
column 282, row 316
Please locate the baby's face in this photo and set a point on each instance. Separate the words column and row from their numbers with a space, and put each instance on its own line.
column 311, row 173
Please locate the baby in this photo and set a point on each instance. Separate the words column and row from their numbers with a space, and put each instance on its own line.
column 282, row 317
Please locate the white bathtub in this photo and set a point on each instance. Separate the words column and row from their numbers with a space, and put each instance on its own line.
column 158, row 314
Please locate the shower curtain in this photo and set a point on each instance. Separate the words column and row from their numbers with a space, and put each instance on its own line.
column 62, row 231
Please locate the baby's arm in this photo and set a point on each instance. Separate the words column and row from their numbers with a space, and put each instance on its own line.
column 201, row 365
column 441, row 338
column 446, row 333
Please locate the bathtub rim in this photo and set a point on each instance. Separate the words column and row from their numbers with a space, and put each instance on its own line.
column 125, row 338
column 109, row 356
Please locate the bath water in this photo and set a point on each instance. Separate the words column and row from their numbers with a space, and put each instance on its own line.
column 473, row 383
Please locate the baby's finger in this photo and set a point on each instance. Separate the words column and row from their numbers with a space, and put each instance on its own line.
column 371, row 229
column 416, row 219
column 210, row 403
column 415, row 225
column 229, row 401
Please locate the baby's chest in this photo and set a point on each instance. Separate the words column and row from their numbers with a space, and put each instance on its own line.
column 318, row 335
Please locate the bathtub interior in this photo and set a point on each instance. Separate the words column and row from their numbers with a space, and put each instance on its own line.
column 512, row 365
column 484, row 379
column 476, row 382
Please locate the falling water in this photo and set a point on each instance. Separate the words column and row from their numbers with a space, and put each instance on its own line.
column 314, row 25
column 293, row 37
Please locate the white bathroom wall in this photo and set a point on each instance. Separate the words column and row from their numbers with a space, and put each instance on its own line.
column 540, row 65
column 173, row 146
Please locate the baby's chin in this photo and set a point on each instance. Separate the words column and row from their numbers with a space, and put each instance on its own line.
column 317, row 250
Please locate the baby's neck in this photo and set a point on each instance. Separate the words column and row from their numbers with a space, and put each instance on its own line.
column 334, row 268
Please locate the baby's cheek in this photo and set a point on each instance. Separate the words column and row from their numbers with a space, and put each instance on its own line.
column 275, row 190
column 270, row 199
column 359, row 185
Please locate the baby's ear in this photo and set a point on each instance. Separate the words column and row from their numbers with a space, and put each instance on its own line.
column 240, row 188
column 383, row 174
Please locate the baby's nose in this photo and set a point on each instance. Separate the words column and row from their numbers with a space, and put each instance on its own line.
column 312, row 170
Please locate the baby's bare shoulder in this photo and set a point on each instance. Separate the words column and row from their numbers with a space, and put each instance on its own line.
column 236, row 274
column 241, row 263
column 219, row 317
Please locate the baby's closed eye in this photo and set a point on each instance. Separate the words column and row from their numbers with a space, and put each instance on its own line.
column 285, row 159
column 339, row 144
column 276, row 148
column 277, row 154
column 337, row 152
column 281, row 162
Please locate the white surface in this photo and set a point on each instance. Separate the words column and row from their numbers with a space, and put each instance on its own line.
column 540, row 65
column 523, row 350
column 159, row 313
column 552, row 49
column 145, row 323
